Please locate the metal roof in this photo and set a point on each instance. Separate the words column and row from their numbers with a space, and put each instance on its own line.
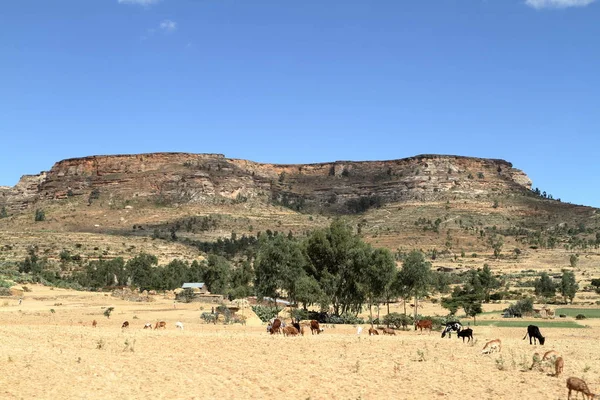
column 192, row 285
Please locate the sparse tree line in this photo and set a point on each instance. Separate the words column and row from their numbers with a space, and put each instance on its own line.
column 331, row 268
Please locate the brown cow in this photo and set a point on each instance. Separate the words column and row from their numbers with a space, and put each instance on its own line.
column 94, row 323
column 314, row 327
column 373, row 331
column 160, row 324
column 125, row 324
column 275, row 326
column 290, row 331
column 423, row 324
column 389, row 331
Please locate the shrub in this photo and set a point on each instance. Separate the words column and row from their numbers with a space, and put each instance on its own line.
column 265, row 313
column 348, row 319
column 108, row 311
column 580, row 316
column 208, row 317
column 398, row 320
column 299, row 314
column 40, row 215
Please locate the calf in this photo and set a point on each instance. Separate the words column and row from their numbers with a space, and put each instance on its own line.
column 466, row 333
column 275, row 326
column 160, row 324
column 373, row 331
column 451, row 326
column 579, row 385
column 125, row 324
column 492, row 345
column 290, row 331
column 534, row 333
column 389, row 331
column 314, row 327
column 423, row 324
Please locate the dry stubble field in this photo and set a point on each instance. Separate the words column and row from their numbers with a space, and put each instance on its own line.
column 59, row 355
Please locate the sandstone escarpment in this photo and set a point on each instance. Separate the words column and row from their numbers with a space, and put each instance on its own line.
column 341, row 186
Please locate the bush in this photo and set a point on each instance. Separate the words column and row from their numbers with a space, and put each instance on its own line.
column 108, row 311
column 398, row 320
column 265, row 313
column 580, row 316
column 299, row 314
column 208, row 317
column 345, row 319
column 40, row 215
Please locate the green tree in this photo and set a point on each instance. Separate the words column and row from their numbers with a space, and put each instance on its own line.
column 40, row 215
column 309, row 292
column 332, row 257
column 216, row 274
column 468, row 297
column 141, row 271
column 568, row 285
column 544, row 286
column 573, row 260
column 3, row 212
column 596, row 283
column 32, row 263
column 415, row 274
column 488, row 282
column 496, row 242
column 378, row 271
column 278, row 265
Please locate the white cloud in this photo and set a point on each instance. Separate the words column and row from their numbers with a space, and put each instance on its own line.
column 168, row 26
column 140, row 2
column 557, row 3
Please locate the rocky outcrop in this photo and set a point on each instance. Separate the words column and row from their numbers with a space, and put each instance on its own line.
column 207, row 178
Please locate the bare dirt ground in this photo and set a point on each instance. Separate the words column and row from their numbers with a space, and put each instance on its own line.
column 46, row 355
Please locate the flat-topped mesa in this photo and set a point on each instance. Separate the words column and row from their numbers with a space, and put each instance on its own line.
column 208, row 178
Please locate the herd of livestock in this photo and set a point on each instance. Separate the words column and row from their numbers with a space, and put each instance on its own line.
column 295, row 328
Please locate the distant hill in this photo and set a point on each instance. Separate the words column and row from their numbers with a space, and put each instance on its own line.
column 450, row 204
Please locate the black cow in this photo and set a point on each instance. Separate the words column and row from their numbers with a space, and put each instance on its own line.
column 466, row 333
column 534, row 332
column 451, row 326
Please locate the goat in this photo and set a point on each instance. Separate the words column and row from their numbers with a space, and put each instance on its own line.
column 492, row 345
column 559, row 364
column 389, row 331
column 125, row 325
column 94, row 323
column 579, row 385
column 179, row 325
column 148, row 325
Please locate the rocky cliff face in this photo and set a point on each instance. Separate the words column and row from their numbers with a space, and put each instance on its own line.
column 342, row 186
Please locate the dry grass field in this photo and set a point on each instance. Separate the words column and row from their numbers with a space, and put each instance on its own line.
column 59, row 355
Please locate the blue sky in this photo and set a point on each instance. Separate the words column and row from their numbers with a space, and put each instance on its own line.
column 305, row 81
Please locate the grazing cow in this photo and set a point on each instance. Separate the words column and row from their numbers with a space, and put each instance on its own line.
column 160, row 324
column 466, row 333
column 290, row 331
column 125, row 324
column 534, row 333
column 148, row 325
column 179, row 325
column 389, row 331
column 579, row 385
column 423, row 324
column 275, row 326
column 492, row 345
column 559, row 364
column 451, row 326
column 314, row 327
column 373, row 331
column 94, row 323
